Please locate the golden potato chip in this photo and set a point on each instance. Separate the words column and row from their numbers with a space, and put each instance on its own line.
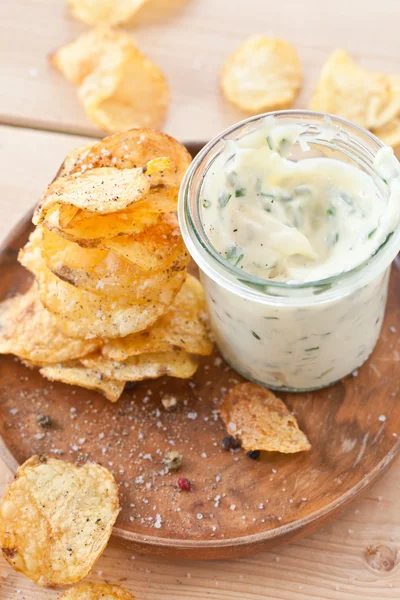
column 390, row 133
column 30, row 332
column 104, row 12
column 76, row 374
column 158, row 247
column 89, row 231
column 119, row 87
column 102, row 191
column 106, row 272
column 261, row 421
column 135, row 148
column 145, row 366
column 83, row 314
column 263, row 74
column 183, row 326
column 344, row 89
column 97, row 591
column 73, row 158
column 56, row 519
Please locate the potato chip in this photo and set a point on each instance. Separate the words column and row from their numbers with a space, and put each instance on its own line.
column 145, row 366
column 158, row 247
column 104, row 12
column 102, row 191
column 90, row 231
column 261, row 421
column 83, row 314
column 97, row 591
column 344, row 89
column 76, row 374
column 135, row 148
column 390, row 134
column 74, row 158
column 119, row 87
column 56, row 519
column 105, row 272
column 263, row 74
column 29, row 331
column 183, row 326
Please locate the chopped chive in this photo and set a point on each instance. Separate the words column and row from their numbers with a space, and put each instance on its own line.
column 272, row 318
column 234, row 254
column 371, row 233
column 331, row 211
column 206, row 203
column 385, row 181
column 336, row 238
column 269, row 142
column 255, row 335
column 240, row 192
column 232, row 178
column 311, row 349
column 224, row 199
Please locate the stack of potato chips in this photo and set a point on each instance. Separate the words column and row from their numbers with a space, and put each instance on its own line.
column 112, row 301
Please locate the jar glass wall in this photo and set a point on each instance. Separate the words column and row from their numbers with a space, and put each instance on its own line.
column 292, row 336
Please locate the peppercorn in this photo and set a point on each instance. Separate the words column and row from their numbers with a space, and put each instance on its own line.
column 230, row 443
column 184, row 484
column 253, row 454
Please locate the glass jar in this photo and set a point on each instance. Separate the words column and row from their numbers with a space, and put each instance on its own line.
column 292, row 336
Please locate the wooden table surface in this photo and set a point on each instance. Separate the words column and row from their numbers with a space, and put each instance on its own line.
column 351, row 558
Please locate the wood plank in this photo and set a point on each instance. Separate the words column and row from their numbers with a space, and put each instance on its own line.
column 189, row 40
column 328, row 565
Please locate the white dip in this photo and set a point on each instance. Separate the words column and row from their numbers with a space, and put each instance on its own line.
column 297, row 221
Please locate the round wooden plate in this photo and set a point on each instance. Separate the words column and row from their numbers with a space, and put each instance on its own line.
column 237, row 505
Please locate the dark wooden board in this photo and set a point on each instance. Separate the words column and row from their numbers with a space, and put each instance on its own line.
column 237, row 505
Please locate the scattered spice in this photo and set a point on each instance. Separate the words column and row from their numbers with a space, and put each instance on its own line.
column 230, row 443
column 173, row 460
column 184, row 484
column 253, row 454
column 169, row 402
column 44, row 421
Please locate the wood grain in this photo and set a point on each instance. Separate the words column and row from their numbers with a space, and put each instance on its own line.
column 189, row 39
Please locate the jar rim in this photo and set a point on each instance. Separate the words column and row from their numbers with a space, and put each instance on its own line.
column 391, row 244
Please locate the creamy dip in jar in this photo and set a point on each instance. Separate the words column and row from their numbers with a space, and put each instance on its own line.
column 293, row 219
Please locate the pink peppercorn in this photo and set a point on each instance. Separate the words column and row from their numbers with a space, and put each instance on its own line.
column 184, row 484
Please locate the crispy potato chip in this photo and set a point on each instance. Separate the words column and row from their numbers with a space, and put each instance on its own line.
column 83, row 314
column 102, row 191
column 73, row 158
column 76, row 374
column 263, row 74
column 106, row 272
column 90, row 231
column 261, row 421
column 344, row 89
column 119, row 87
column 145, row 366
column 158, row 247
column 30, row 332
column 104, row 12
column 135, row 148
column 56, row 519
column 183, row 326
column 97, row 591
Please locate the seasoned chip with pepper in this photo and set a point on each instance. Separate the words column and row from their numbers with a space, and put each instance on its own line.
column 263, row 74
column 176, row 363
column 76, row 374
column 118, row 86
column 97, row 591
column 261, row 421
column 104, row 12
column 56, row 519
